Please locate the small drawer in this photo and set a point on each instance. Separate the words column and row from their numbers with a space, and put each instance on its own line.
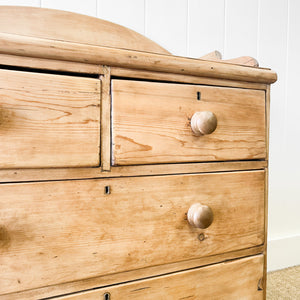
column 65, row 231
column 48, row 120
column 238, row 279
column 152, row 123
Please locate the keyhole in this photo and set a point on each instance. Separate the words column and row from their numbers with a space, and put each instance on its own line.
column 198, row 96
column 107, row 190
column 106, row 296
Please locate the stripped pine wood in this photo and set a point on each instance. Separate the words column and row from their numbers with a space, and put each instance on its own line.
column 71, row 230
column 151, row 123
column 94, row 282
column 105, row 119
column 123, row 171
column 111, row 187
column 49, row 64
column 45, row 120
column 99, row 55
column 158, row 76
column 212, row 282
column 243, row 60
column 71, row 27
column 266, row 202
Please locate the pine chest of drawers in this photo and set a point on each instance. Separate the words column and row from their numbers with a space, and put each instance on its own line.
column 126, row 172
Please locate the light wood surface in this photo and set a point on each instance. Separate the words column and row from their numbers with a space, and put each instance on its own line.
column 94, row 282
column 67, row 66
column 46, row 120
column 214, row 55
column 203, row 122
column 171, row 77
column 221, row 281
column 105, row 119
column 66, row 231
column 16, row 175
column 49, row 64
column 200, row 216
column 67, row 26
column 151, row 123
column 264, row 282
column 67, row 51
column 136, row 225
column 243, row 60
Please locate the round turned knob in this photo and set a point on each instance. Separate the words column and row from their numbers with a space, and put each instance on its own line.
column 204, row 122
column 200, row 216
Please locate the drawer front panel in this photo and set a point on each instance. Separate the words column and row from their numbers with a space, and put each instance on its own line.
column 48, row 120
column 233, row 280
column 65, row 231
column 151, row 123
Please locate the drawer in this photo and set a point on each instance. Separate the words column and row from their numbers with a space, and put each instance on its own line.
column 232, row 280
column 151, row 123
column 48, row 120
column 66, row 231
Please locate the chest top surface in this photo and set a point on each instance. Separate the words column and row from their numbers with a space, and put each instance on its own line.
column 70, row 37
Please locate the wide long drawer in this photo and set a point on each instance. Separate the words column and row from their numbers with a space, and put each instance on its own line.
column 238, row 279
column 55, row 232
column 152, row 123
column 48, row 120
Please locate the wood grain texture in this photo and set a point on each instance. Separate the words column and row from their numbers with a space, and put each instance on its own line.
column 94, row 282
column 171, row 77
column 72, row 27
column 242, row 60
column 266, row 210
column 214, row 55
column 151, row 123
column 16, row 175
column 46, row 120
column 60, row 237
column 67, row 51
column 221, row 281
column 67, row 66
column 65, row 231
column 105, row 119
column 266, row 202
column 49, row 64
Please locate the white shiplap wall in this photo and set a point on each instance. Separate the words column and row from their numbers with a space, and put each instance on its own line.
column 268, row 30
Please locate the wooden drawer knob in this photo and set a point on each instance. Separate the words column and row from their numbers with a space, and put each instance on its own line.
column 200, row 216
column 203, row 122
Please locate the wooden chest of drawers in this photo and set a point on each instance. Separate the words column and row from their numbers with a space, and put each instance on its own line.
column 127, row 174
